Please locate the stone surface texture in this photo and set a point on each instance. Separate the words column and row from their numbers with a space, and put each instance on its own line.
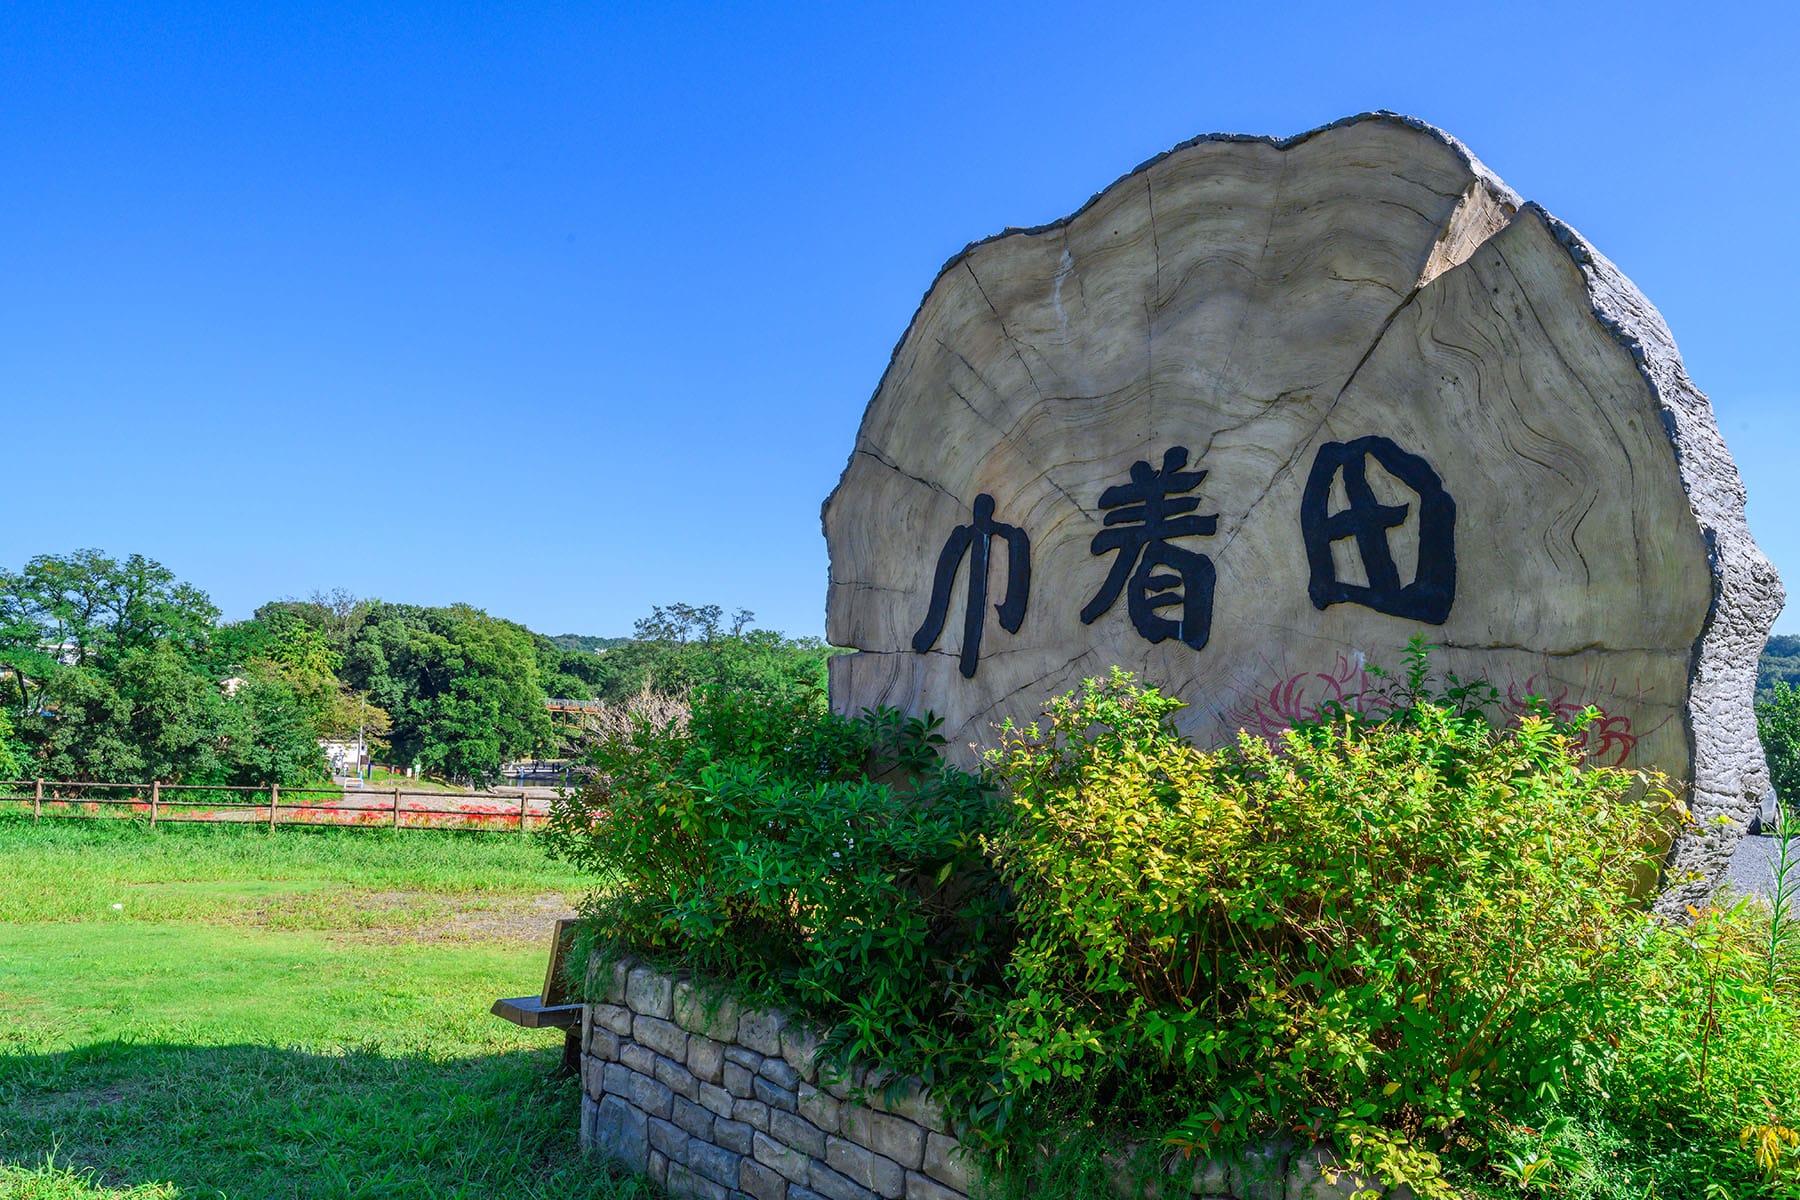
column 1256, row 301
column 889, row 1142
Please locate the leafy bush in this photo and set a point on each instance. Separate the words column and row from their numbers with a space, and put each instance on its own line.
column 1698, row 1096
column 1706, row 1080
column 1408, row 921
column 1405, row 927
column 751, row 843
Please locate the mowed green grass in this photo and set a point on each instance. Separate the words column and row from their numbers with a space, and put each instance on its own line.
column 291, row 1014
column 67, row 869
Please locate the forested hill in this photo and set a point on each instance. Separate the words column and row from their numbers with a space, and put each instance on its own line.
column 1780, row 660
column 113, row 670
column 586, row 643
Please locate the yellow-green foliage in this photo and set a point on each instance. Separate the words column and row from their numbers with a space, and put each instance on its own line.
column 1406, row 922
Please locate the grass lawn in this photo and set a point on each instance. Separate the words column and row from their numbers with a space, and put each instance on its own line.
column 220, row 1011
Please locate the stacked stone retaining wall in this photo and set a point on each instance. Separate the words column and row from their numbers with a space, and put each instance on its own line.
column 719, row 1102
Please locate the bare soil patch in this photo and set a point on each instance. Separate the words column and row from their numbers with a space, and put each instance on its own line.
column 459, row 919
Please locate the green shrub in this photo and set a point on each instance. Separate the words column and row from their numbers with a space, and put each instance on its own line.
column 1384, row 928
column 1408, row 928
column 752, row 844
column 1699, row 1096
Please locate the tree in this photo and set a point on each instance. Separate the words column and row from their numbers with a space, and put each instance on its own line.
column 67, row 598
column 570, row 674
column 680, row 623
column 102, row 660
column 1778, row 724
column 150, row 716
column 336, row 614
column 586, row 643
column 82, row 609
column 464, row 689
column 286, row 661
column 279, row 636
column 12, row 759
column 86, row 604
column 1780, row 660
column 683, row 646
column 494, row 708
column 27, row 659
column 269, row 733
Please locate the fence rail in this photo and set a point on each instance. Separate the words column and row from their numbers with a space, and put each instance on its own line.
column 389, row 808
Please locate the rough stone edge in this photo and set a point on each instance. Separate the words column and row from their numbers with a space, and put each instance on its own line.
column 1747, row 593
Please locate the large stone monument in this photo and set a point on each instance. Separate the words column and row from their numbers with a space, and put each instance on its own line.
column 1262, row 411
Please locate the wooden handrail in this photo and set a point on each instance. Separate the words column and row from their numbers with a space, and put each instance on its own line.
column 238, row 804
column 32, row 785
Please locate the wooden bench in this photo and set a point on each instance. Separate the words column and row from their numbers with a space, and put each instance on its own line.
column 551, row 1008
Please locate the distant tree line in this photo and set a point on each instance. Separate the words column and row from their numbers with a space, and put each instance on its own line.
column 581, row 641
column 1780, row 663
column 113, row 670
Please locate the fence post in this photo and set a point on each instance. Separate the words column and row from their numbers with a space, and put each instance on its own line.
column 274, row 799
column 37, row 803
column 155, row 799
column 521, row 811
column 396, row 808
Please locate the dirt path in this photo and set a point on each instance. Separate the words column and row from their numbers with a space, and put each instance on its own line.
column 483, row 919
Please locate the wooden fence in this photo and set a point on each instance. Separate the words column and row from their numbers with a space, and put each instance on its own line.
column 383, row 808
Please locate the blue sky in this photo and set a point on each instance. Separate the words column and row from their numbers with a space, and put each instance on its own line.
column 569, row 310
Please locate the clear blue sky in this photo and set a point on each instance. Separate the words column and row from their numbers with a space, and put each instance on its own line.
column 569, row 310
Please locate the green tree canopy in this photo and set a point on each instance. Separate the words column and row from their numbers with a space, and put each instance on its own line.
column 463, row 688
column 87, row 604
column 147, row 715
column 269, row 733
column 280, row 661
column 12, row 759
column 114, row 669
column 680, row 647
column 1780, row 662
column 1778, row 724
column 81, row 609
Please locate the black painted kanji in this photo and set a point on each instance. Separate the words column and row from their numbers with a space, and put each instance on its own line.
column 1148, row 512
column 1432, row 590
column 972, row 541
